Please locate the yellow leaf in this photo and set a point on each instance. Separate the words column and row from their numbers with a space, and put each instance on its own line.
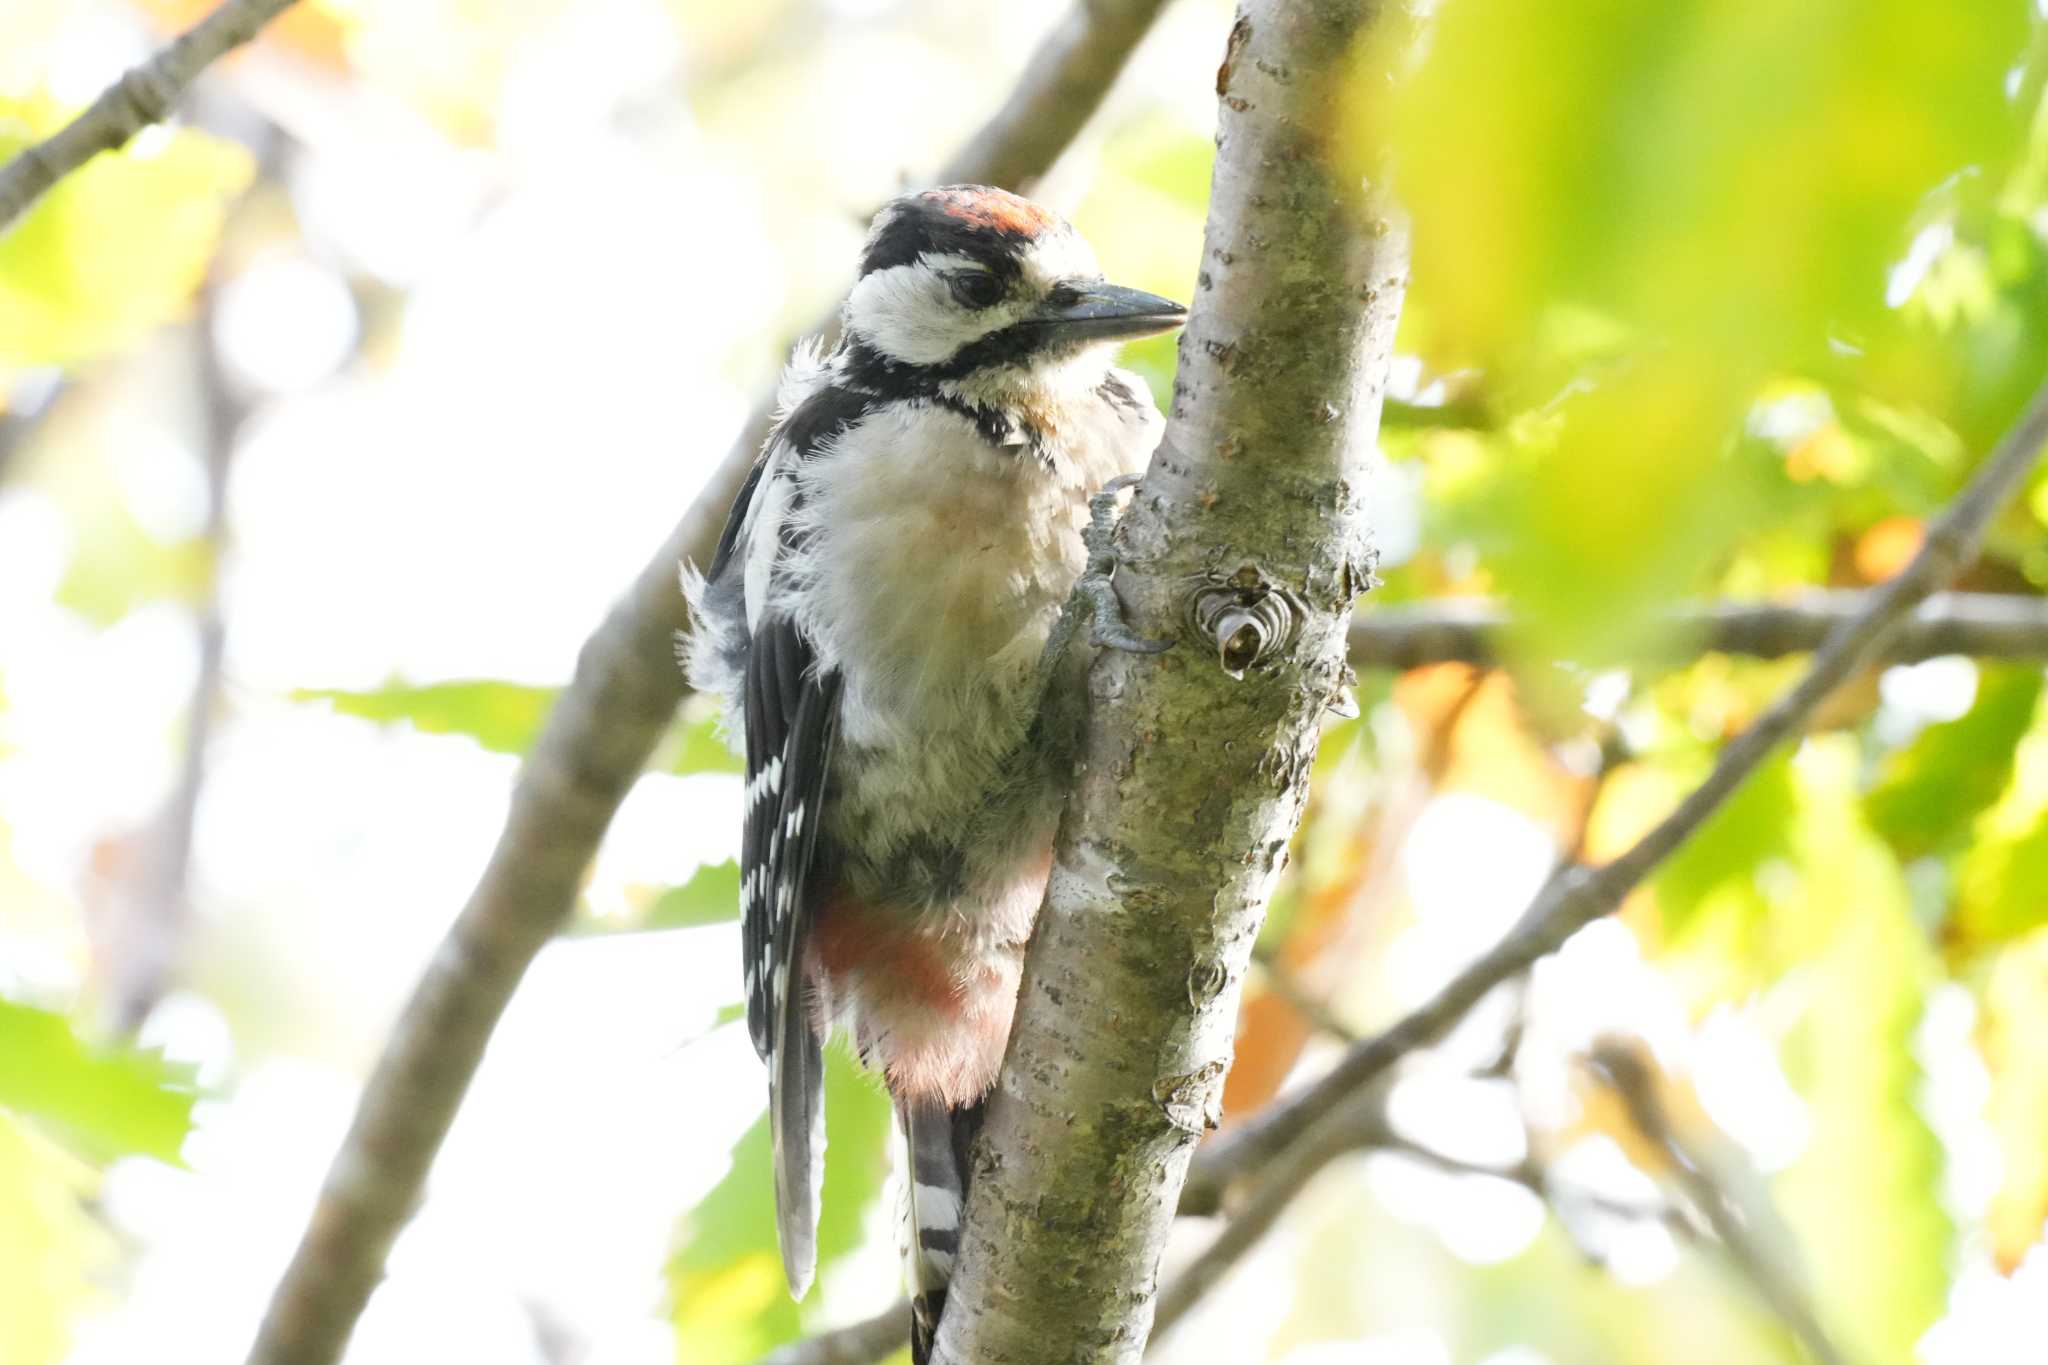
column 117, row 247
column 2014, row 1036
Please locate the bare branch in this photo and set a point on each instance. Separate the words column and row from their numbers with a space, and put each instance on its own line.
column 141, row 97
column 1764, row 1267
column 1986, row 625
column 595, row 742
column 1359, row 1127
column 1572, row 901
column 1531, row 1176
column 1246, row 541
column 861, row 1343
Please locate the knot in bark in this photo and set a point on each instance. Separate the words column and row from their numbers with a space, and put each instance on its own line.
column 1248, row 617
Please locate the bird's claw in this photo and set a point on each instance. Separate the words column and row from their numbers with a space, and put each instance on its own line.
column 1106, row 628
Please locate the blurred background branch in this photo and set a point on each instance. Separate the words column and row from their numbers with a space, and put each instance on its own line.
column 1982, row 625
column 1746, row 1227
column 867, row 1342
column 143, row 96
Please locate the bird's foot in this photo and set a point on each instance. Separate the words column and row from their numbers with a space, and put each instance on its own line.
column 1107, row 628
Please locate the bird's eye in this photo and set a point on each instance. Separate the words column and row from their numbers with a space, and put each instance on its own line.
column 976, row 288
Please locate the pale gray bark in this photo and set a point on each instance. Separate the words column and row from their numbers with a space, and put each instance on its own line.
column 1247, row 543
column 143, row 96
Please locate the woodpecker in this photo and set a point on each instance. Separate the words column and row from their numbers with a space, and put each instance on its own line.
column 873, row 621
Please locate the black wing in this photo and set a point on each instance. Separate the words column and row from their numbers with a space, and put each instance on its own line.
column 791, row 710
column 790, row 718
column 735, row 521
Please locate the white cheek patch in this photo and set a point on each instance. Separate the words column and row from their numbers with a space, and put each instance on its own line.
column 907, row 312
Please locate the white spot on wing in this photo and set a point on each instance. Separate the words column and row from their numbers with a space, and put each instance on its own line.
column 764, row 532
column 938, row 1208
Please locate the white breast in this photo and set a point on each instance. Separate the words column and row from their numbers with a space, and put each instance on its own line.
column 934, row 569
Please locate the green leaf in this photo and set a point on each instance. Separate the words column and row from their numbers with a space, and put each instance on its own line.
column 1737, row 175
column 2002, row 878
column 711, row 896
column 1631, row 217
column 105, row 1102
column 502, row 716
column 1611, row 503
column 730, row 1304
column 117, row 247
column 1931, row 792
column 2002, row 887
column 1715, row 871
column 507, row 717
column 695, row 745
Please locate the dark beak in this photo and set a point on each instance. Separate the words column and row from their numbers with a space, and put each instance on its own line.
column 1108, row 312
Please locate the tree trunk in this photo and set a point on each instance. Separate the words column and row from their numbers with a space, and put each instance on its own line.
column 1247, row 545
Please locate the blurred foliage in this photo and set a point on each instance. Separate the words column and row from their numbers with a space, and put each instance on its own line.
column 728, row 1297
column 506, row 718
column 115, row 248
column 49, row 1248
column 710, row 896
column 2014, row 1026
column 1930, row 792
column 502, row 716
column 106, row 1102
column 1865, row 1193
column 1708, row 300
column 1630, row 220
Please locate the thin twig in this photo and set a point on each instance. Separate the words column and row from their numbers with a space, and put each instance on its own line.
column 1985, row 625
column 144, row 952
column 22, row 415
column 143, row 96
column 859, row 1343
column 1624, row 1068
column 595, row 742
column 1570, row 902
column 1531, row 1176
column 1362, row 1128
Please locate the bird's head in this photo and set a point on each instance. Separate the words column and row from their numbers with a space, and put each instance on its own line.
column 975, row 286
